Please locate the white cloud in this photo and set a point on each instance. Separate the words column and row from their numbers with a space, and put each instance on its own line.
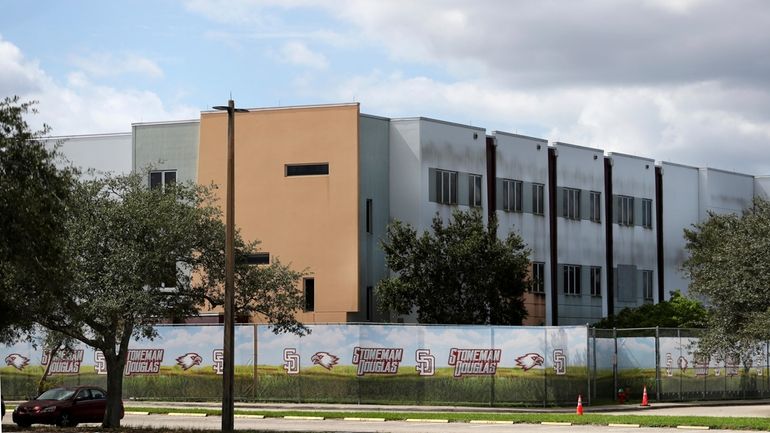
column 297, row 53
column 80, row 105
column 100, row 65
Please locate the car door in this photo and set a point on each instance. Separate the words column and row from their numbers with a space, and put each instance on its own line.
column 81, row 407
column 99, row 401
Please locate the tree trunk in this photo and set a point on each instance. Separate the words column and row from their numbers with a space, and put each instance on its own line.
column 51, row 355
column 115, row 365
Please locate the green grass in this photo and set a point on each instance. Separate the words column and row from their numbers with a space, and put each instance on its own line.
column 746, row 423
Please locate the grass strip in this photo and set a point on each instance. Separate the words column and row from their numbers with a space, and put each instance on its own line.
column 726, row 423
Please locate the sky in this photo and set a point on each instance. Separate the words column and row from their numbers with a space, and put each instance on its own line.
column 685, row 81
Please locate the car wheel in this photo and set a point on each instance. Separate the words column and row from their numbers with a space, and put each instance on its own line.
column 65, row 420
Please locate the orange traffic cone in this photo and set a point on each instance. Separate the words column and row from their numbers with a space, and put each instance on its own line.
column 645, row 401
column 579, row 410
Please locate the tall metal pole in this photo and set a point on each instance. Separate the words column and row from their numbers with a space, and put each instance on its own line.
column 228, row 419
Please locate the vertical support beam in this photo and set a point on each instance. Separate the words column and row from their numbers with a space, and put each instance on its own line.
column 657, row 364
column 608, row 215
column 659, row 232
column 552, row 155
column 491, row 174
column 228, row 419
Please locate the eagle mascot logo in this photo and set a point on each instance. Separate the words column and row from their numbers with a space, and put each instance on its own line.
column 17, row 361
column 325, row 360
column 188, row 360
column 529, row 360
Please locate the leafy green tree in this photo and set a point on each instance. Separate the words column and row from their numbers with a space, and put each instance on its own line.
column 137, row 255
column 33, row 195
column 677, row 312
column 729, row 265
column 457, row 273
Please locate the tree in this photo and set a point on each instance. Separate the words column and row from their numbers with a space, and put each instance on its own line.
column 459, row 273
column 33, row 193
column 677, row 312
column 729, row 265
column 137, row 255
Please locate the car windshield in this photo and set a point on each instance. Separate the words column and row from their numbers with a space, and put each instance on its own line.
column 56, row 394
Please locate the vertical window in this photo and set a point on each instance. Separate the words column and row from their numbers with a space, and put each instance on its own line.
column 162, row 178
column 647, row 285
column 538, row 206
column 538, row 277
column 571, row 203
column 647, row 213
column 625, row 210
column 596, row 281
column 369, row 303
column 369, row 215
column 572, row 279
column 595, row 203
column 474, row 190
column 309, row 284
column 446, row 187
column 512, row 195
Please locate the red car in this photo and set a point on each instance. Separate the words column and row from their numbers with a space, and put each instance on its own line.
column 65, row 407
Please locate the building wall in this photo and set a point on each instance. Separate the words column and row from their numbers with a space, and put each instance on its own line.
column 373, row 185
column 311, row 222
column 762, row 187
column 525, row 159
column 580, row 242
column 101, row 152
column 167, row 146
column 680, row 211
column 634, row 246
column 724, row 191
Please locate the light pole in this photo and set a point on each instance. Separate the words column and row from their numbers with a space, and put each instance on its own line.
column 228, row 376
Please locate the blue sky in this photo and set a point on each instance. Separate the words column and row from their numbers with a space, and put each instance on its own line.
column 686, row 81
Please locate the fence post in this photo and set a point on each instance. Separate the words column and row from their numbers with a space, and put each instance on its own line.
column 657, row 363
column 589, row 358
column 492, row 383
column 615, row 363
column 545, row 367
column 681, row 374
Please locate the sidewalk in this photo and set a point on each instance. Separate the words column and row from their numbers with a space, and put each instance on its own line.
column 334, row 407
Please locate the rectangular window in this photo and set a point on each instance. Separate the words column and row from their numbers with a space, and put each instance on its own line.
column 512, row 193
column 369, row 303
column 309, row 286
column 625, row 210
column 257, row 259
column 647, row 285
column 474, row 190
column 369, row 215
column 572, row 279
column 596, row 281
column 538, row 197
column 646, row 213
column 595, row 203
column 538, row 277
column 571, row 204
column 446, row 187
column 307, row 169
column 162, row 178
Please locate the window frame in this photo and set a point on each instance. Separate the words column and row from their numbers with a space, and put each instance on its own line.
column 475, row 190
column 595, row 206
column 538, row 277
column 596, row 280
column 647, row 213
column 513, row 192
column 538, row 199
column 164, row 178
column 309, row 301
column 571, row 280
column 571, row 203
column 647, row 285
column 625, row 210
column 448, row 195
